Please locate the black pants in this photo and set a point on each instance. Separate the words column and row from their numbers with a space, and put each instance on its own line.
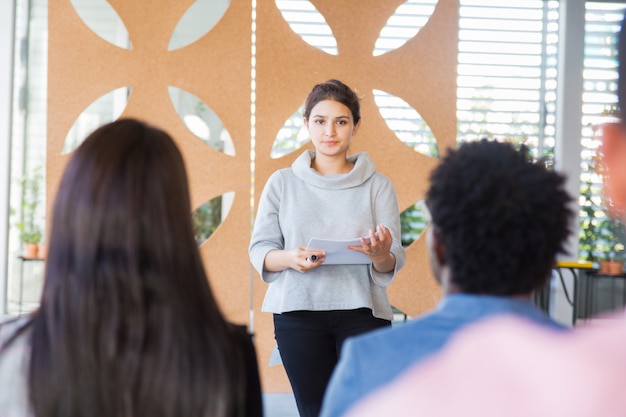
column 310, row 342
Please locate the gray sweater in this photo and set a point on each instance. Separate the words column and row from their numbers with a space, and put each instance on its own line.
column 298, row 204
column 14, row 360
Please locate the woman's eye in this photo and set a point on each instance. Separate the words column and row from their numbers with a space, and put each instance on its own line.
column 319, row 122
column 341, row 122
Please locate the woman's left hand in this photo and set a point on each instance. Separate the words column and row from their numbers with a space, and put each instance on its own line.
column 378, row 249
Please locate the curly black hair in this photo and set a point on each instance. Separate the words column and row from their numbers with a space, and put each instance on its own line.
column 501, row 217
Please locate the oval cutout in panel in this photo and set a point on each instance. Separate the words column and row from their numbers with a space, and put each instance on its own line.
column 201, row 120
column 306, row 21
column 404, row 24
column 101, row 18
column 197, row 21
column 406, row 123
column 105, row 109
column 207, row 217
column 413, row 222
column 291, row 137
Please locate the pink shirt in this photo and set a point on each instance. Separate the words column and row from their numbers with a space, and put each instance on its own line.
column 509, row 367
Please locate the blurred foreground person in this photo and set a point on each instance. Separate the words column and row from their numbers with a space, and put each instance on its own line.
column 127, row 324
column 506, row 367
column 509, row 367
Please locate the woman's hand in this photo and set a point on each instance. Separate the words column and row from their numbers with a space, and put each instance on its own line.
column 378, row 249
column 299, row 258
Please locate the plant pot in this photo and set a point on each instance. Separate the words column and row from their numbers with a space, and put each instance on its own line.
column 611, row 268
column 31, row 250
column 604, row 267
column 616, row 268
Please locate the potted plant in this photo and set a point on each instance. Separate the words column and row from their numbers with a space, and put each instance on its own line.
column 30, row 230
column 610, row 243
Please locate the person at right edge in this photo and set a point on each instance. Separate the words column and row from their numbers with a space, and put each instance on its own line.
column 506, row 366
column 328, row 194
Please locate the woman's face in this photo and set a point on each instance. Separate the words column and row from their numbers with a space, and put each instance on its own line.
column 331, row 127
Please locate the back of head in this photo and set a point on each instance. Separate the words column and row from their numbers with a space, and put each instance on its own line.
column 501, row 218
column 123, row 200
column 126, row 304
column 121, row 222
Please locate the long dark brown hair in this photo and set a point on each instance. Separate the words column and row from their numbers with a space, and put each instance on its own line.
column 128, row 325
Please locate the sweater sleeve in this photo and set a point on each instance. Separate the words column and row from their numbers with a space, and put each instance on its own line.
column 266, row 234
column 14, row 361
column 387, row 213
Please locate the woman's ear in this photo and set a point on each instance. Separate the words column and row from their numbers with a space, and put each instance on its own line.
column 612, row 168
column 436, row 251
column 356, row 127
column 439, row 249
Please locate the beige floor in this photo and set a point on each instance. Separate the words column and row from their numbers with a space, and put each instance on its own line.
column 279, row 405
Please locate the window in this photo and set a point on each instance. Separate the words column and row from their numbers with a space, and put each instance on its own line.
column 599, row 236
column 28, row 146
column 507, row 72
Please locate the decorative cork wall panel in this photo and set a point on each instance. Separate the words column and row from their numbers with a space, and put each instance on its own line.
column 217, row 69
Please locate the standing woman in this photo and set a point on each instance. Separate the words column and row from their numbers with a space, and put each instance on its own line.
column 127, row 325
column 326, row 194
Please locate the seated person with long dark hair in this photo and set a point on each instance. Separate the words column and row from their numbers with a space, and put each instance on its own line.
column 127, row 324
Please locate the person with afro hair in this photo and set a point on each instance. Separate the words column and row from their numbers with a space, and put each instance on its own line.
column 498, row 222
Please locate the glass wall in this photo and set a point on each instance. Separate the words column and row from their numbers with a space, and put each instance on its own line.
column 27, row 154
column 600, row 237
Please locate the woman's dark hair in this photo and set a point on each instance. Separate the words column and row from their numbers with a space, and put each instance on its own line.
column 128, row 325
column 501, row 218
column 333, row 90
